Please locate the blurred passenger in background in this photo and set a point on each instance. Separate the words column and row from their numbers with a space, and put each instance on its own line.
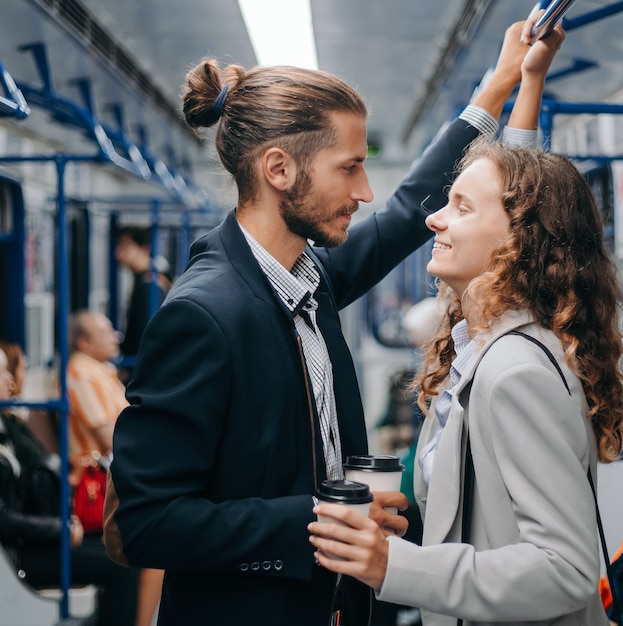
column 30, row 525
column 151, row 283
column 16, row 364
column 96, row 397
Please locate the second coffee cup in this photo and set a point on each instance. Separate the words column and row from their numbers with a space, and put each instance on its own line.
column 379, row 472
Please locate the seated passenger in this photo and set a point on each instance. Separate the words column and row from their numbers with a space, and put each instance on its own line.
column 33, row 540
column 16, row 365
column 96, row 397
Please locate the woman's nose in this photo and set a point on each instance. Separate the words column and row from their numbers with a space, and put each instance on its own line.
column 434, row 221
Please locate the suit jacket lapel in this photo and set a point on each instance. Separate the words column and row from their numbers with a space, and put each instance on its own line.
column 244, row 262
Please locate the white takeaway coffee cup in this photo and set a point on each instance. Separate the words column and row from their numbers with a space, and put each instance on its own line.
column 379, row 472
column 355, row 495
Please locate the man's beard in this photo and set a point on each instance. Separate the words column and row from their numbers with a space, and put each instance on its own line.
column 299, row 209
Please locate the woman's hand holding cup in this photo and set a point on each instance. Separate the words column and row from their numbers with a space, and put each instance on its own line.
column 382, row 512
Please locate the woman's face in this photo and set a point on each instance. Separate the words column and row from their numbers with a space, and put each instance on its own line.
column 469, row 228
column 7, row 383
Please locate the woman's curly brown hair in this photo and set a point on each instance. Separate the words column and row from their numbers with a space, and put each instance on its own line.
column 555, row 265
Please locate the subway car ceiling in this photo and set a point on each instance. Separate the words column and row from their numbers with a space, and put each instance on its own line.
column 120, row 64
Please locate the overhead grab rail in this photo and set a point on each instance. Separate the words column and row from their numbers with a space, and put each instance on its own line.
column 568, row 24
column 113, row 145
column 67, row 112
column 13, row 103
column 117, row 137
column 170, row 179
column 550, row 107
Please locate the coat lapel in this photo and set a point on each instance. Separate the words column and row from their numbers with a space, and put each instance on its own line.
column 441, row 512
column 444, row 501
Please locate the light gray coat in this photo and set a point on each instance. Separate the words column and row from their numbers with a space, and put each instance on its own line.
column 533, row 556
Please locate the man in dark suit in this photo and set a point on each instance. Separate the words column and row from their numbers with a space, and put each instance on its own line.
column 245, row 395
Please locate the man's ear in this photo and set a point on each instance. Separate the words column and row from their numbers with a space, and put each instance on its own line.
column 82, row 343
column 278, row 168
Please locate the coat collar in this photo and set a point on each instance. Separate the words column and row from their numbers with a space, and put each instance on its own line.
column 509, row 321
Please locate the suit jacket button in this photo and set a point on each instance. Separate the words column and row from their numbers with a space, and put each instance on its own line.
column 278, row 565
column 255, row 566
column 266, row 565
column 244, row 567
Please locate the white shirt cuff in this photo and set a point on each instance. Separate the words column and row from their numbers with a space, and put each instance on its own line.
column 520, row 137
column 481, row 119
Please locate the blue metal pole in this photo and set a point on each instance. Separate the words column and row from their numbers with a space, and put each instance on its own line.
column 546, row 122
column 113, row 278
column 595, row 108
column 154, row 299
column 63, row 312
column 591, row 16
column 592, row 108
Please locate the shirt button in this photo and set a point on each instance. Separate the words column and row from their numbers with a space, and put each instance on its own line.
column 266, row 565
column 278, row 565
column 244, row 567
column 255, row 566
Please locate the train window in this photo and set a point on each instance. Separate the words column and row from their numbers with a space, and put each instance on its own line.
column 40, row 252
column 99, row 258
column 39, row 268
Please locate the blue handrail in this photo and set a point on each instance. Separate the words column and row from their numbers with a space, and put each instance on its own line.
column 13, row 103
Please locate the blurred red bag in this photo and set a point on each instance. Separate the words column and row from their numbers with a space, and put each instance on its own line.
column 89, row 498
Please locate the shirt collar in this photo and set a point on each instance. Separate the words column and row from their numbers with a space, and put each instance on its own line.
column 296, row 287
column 463, row 346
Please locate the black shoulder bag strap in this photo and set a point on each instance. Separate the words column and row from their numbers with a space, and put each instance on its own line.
column 468, row 492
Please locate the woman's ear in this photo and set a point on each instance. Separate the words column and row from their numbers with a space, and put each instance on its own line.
column 278, row 168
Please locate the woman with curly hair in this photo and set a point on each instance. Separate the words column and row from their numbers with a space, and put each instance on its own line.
column 522, row 383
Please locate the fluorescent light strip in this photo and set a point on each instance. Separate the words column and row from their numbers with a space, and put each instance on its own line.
column 281, row 32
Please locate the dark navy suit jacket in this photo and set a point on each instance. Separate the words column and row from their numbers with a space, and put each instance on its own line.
column 218, row 455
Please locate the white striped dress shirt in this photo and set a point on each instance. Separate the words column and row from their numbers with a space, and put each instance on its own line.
column 296, row 289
